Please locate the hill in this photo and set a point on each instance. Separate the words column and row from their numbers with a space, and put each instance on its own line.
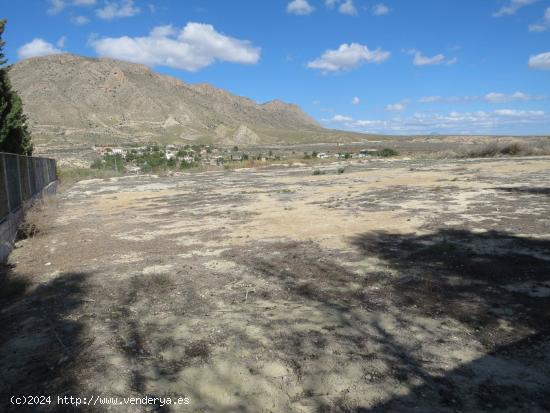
column 73, row 100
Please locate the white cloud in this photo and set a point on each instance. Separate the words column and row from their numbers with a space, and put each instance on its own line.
column 543, row 25
column 519, row 113
column 397, row 107
column 504, row 121
column 56, row 6
column 114, row 9
column 380, row 9
column 492, row 97
column 196, row 46
column 367, row 122
column 331, row 3
column 339, row 119
column 347, row 7
column 348, row 57
column 512, row 7
column 163, row 31
column 80, row 20
column 299, row 7
column 496, row 97
column 420, row 59
column 355, row 100
column 37, row 47
column 430, row 99
column 451, row 61
column 540, row 61
column 61, row 42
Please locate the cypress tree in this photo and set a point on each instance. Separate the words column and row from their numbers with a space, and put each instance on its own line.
column 14, row 134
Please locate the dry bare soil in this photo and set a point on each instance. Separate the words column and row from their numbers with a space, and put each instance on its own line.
column 394, row 286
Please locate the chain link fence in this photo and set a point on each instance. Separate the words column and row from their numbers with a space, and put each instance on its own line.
column 22, row 178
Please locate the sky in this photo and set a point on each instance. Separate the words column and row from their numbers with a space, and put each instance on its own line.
column 380, row 66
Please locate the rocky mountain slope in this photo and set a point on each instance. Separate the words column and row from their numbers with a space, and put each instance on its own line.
column 75, row 100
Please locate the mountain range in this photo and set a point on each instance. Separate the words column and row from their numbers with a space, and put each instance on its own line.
column 73, row 100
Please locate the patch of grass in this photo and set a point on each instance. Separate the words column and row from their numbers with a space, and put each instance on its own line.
column 319, row 172
column 37, row 218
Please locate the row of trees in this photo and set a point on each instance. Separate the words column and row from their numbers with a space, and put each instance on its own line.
column 14, row 133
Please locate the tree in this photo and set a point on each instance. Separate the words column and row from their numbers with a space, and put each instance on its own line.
column 14, row 134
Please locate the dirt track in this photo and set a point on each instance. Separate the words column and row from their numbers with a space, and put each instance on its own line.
column 396, row 285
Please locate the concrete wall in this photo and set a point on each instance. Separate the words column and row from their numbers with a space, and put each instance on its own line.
column 23, row 179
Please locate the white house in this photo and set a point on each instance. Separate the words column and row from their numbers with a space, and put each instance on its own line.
column 118, row 151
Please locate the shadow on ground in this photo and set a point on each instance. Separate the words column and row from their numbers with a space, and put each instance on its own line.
column 496, row 284
column 526, row 190
column 41, row 347
column 296, row 330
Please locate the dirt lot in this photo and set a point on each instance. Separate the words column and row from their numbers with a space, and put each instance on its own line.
column 393, row 286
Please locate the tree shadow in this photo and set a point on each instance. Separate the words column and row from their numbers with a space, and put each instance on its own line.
column 494, row 283
column 41, row 348
column 331, row 330
column 526, row 190
column 491, row 289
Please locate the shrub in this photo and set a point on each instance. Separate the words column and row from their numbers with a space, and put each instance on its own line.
column 387, row 152
column 188, row 165
column 513, row 149
column 493, row 149
column 110, row 162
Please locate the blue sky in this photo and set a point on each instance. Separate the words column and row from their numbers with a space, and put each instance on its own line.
column 381, row 66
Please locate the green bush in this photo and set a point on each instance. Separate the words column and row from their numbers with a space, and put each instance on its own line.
column 188, row 165
column 387, row 152
column 110, row 162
